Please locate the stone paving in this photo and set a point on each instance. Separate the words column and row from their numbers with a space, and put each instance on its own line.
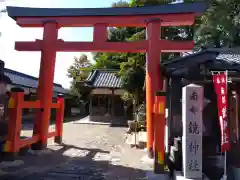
column 88, row 152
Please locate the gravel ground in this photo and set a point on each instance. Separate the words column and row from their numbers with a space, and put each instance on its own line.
column 88, row 152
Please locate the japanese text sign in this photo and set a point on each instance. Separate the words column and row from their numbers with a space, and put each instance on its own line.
column 192, row 105
column 220, row 85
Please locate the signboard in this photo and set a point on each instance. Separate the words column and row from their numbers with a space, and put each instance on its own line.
column 192, row 105
column 220, row 85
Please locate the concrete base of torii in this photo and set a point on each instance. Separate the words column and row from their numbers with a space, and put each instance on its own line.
column 177, row 175
column 152, row 176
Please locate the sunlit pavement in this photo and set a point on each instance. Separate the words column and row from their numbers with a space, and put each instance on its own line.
column 94, row 152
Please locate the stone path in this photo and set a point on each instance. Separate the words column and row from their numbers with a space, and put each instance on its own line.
column 88, row 152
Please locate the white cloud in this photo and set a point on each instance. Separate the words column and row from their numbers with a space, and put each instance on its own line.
column 29, row 62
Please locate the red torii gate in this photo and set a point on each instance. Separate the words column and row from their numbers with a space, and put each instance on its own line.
column 152, row 18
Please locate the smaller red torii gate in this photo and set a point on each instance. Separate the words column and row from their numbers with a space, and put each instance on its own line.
column 153, row 18
column 16, row 105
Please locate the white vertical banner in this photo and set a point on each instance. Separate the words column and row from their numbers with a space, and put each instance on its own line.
column 192, row 106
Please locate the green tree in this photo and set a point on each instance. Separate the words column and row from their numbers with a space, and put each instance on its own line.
column 78, row 72
column 139, row 3
column 105, row 61
column 132, row 65
column 80, row 68
column 120, row 4
column 220, row 24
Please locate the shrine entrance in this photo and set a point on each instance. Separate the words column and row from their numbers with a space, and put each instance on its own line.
column 153, row 18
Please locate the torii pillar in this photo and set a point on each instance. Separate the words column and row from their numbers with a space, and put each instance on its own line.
column 45, row 86
column 153, row 77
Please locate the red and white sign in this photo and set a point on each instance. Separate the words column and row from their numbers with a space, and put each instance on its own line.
column 220, row 85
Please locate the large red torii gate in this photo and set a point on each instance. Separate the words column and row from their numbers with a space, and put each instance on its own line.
column 152, row 18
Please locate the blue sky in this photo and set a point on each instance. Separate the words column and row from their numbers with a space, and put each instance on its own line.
column 28, row 62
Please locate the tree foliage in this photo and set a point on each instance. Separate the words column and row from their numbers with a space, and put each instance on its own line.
column 120, row 4
column 79, row 71
column 218, row 26
column 132, row 65
column 80, row 68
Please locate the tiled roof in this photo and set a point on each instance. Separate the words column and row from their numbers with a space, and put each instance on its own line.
column 102, row 78
column 228, row 55
column 231, row 57
column 224, row 56
column 25, row 80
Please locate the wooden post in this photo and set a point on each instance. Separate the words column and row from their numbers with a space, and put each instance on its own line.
column 237, row 116
column 109, row 103
column 112, row 104
column 59, row 119
column 50, row 36
column 37, row 122
column 238, row 112
column 152, row 77
column 159, row 132
column 90, row 105
column 11, row 146
column 100, row 33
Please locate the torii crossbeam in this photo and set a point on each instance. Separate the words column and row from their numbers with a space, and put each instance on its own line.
column 152, row 17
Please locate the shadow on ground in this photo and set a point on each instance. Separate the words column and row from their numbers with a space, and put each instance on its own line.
column 27, row 122
column 117, row 121
column 57, row 164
